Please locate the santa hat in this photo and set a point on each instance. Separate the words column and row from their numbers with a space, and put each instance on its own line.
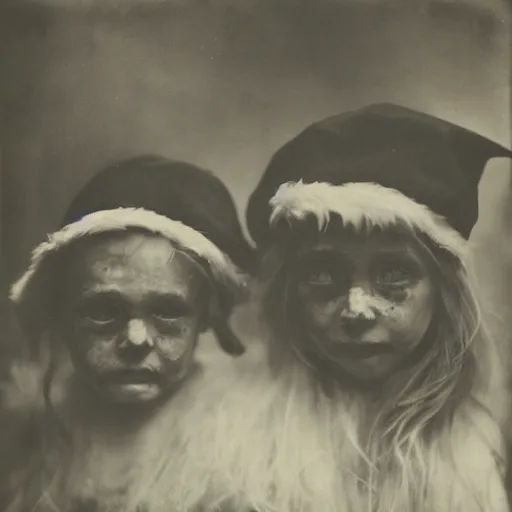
column 377, row 166
column 189, row 206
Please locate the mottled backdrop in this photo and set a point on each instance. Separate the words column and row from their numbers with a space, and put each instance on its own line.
column 224, row 83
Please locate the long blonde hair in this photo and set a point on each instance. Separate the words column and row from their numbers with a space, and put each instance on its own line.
column 418, row 404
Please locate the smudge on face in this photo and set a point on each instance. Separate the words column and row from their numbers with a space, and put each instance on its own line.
column 131, row 310
column 365, row 300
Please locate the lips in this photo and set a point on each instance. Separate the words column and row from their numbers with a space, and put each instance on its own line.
column 363, row 350
column 136, row 376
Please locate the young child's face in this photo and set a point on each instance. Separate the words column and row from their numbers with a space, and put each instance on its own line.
column 364, row 300
column 131, row 312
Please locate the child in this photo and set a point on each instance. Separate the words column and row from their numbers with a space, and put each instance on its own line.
column 148, row 258
column 379, row 389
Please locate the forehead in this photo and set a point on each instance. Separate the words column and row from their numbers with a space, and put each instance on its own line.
column 365, row 245
column 131, row 263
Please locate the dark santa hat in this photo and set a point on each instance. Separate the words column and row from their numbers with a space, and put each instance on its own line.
column 377, row 166
column 185, row 204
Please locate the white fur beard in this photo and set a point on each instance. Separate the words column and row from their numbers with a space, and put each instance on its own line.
column 102, row 468
column 112, row 465
column 242, row 438
column 253, row 441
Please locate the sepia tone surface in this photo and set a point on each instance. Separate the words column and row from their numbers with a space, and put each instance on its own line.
column 223, row 84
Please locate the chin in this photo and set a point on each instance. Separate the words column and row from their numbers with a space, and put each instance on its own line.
column 378, row 368
column 372, row 369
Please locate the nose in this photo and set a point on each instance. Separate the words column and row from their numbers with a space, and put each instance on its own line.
column 137, row 342
column 137, row 332
column 359, row 315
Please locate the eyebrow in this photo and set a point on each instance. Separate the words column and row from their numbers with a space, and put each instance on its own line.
column 402, row 251
column 115, row 294
column 316, row 252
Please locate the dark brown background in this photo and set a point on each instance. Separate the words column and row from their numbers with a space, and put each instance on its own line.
column 224, row 83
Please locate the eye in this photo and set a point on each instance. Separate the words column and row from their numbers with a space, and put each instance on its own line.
column 100, row 311
column 324, row 284
column 324, row 275
column 170, row 309
column 394, row 276
column 321, row 278
column 321, row 271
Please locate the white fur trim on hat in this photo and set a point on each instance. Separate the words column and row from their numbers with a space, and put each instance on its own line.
column 121, row 219
column 359, row 203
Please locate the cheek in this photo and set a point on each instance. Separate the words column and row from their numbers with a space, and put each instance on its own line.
column 322, row 316
column 319, row 314
column 177, row 341
column 90, row 347
column 411, row 318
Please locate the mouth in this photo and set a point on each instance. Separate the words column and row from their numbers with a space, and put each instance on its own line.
column 363, row 350
column 132, row 377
